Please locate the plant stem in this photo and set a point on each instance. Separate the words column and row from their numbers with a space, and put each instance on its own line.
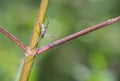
column 39, row 22
column 28, row 62
column 78, row 34
column 13, row 38
column 32, row 50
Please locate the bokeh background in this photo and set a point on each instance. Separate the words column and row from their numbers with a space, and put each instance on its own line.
column 92, row 57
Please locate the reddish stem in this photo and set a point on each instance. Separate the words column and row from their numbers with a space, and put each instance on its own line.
column 73, row 36
column 13, row 38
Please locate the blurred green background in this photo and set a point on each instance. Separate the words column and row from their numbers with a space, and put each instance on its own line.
column 92, row 57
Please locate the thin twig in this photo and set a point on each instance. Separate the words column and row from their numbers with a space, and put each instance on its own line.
column 73, row 36
column 13, row 38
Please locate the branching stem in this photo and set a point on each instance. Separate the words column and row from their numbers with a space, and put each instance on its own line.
column 34, row 51
column 78, row 34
